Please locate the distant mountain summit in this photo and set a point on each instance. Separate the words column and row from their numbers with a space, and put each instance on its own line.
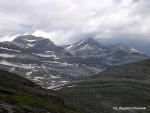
column 52, row 66
column 86, row 48
column 41, row 61
column 34, row 44
column 92, row 52
column 29, row 41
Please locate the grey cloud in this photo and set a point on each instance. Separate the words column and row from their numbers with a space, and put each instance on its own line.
column 118, row 1
column 73, row 19
column 136, row 0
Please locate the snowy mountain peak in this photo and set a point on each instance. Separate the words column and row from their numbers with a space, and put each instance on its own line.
column 30, row 41
column 32, row 44
column 26, row 38
column 90, row 42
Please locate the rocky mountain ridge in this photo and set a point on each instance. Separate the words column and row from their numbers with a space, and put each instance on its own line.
column 40, row 60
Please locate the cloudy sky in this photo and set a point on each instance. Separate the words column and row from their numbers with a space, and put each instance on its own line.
column 67, row 20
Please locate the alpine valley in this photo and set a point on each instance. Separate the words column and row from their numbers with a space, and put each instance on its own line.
column 50, row 66
column 37, row 76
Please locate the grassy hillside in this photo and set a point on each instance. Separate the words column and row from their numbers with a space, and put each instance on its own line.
column 122, row 86
column 18, row 95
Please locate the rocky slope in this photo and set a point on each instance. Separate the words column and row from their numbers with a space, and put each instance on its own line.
column 91, row 52
column 41, row 61
column 121, row 86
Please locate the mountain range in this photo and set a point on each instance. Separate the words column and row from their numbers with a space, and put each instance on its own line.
column 93, row 53
column 111, row 91
column 41, row 61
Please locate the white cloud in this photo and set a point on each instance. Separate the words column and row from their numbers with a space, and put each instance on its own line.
column 62, row 20
column 58, row 37
column 8, row 38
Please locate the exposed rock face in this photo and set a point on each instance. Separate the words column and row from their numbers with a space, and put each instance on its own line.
column 41, row 61
column 92, row 52
column 51, row 66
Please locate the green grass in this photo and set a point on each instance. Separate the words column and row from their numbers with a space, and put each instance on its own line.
column 125, row 86
column 23, row 95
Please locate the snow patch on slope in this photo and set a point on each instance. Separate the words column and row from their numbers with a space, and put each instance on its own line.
column 134, row 50
column 3, row 62
column 6, row 55
column 29, row 40
column 31, row 45
column 9, row 49
column 28, row 73
column 45, row 55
